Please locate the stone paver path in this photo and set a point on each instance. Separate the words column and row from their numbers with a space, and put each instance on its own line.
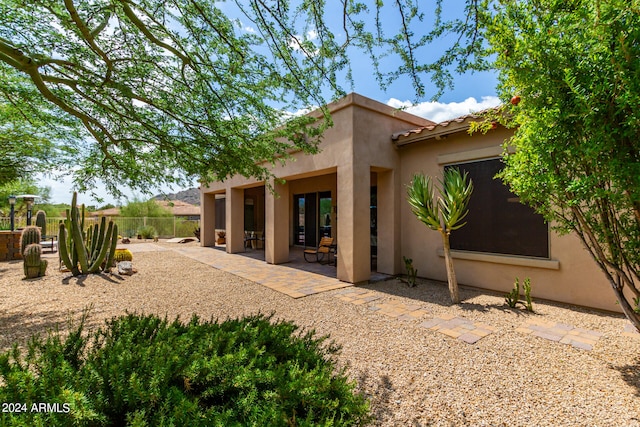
column 459, row 328
column 291, row 281
column 566, row 334
column 299, row 282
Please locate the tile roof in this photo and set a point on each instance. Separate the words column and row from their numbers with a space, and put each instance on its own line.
column 438, row 126
column 457, row 124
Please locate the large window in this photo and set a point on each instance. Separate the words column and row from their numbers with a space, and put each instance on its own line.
column 497, row 222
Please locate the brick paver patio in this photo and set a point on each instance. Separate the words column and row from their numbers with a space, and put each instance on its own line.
column 289, row 280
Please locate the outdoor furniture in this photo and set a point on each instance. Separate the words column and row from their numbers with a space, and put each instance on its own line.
column 253, row 238
column 317, row 254
column 49, row 242
column 333, row 252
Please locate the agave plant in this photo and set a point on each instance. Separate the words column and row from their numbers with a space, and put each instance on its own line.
column 445, row 213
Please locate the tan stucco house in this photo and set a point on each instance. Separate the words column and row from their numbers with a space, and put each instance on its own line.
column 354, row 190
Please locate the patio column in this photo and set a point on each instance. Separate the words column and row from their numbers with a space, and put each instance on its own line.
column 276, row 248
column 207, row 219
column 354, row 234
column 389, row 200
column 235, row 220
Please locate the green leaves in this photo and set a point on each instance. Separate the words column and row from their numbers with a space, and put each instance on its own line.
column 449, row 210
column 144, row 370
column 577, row 148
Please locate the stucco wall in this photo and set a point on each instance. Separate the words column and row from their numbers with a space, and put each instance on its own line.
column 569, row 276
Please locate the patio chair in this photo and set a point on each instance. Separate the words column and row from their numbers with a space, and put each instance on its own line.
column 317, row 254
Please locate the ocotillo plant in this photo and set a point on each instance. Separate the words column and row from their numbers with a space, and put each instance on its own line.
column 90, row 252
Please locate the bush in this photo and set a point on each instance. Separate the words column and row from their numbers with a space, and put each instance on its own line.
column 144, row 371
column 147, row 232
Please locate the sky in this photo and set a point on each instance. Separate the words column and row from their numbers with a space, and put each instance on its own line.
column 471, row 92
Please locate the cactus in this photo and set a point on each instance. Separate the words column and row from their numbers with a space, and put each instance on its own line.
column 86, row 252
column 33, row 265
column 30, row 235
column 41, row 221
column 122, row 255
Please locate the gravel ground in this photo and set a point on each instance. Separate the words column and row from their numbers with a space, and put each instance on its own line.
column 412, row 376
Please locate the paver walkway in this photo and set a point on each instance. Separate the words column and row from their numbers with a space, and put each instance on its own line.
column 561, row 332
column 302, row 279
column 295, row 282
column 460, row 328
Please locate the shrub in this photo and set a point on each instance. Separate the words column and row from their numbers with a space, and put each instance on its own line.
column 143, row 370
column 147, row 232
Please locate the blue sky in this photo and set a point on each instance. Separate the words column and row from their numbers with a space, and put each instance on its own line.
column 472, row 92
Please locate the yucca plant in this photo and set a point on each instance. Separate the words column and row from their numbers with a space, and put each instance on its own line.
column 445, row 213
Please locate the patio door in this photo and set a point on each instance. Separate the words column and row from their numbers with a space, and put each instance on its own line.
column 312, row 217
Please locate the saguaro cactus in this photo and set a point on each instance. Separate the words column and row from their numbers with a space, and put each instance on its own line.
column 30, row 235
column 41, row 221
column 33, row 265
column 90, row 252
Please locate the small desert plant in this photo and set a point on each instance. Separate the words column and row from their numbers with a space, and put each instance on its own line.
column 513, row 298
column 41, row 221
column 527, row 294
column 412, row 272
column 30, row 235
column 33, row 265
column 222, row 234
column 122, row 255
column 147, row 232
column 146, row 371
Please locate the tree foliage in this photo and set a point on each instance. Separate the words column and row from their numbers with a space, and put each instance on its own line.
column 160, row 91
column 139, row 209
column 575, row 66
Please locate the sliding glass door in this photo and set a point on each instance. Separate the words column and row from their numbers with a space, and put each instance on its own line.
column 312, row 217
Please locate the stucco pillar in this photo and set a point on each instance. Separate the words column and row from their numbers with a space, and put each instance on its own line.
column 235, row 220
column 389, row 199
column 207, row 219
column 276, row 240
column 354, row 234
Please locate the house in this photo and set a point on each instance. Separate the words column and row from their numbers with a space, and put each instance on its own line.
column 354, row 190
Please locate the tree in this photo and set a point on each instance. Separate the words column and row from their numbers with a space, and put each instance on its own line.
column 23, row 186
column 31, row 136
column 575, row 67
column 140, row 209
column 444, row 214
column 160, row 91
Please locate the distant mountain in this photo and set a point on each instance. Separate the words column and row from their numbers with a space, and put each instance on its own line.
column 191, row 196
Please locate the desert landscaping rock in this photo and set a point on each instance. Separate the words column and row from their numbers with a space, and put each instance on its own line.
column 413, row 376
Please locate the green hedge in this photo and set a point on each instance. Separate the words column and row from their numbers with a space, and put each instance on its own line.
column 147, row 371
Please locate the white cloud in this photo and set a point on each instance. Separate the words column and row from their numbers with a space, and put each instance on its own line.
column 439, row 112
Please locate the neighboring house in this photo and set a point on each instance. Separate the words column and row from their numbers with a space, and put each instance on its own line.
column 354, row 190
column 177, row 207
